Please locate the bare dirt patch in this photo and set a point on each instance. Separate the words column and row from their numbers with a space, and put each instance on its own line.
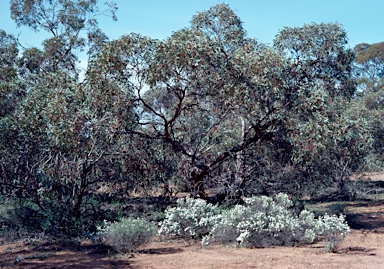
column 374, row 176
column 360, row 249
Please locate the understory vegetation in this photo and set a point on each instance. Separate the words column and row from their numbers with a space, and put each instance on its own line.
column 127, row 235
column 259, row 222
column 207, row 113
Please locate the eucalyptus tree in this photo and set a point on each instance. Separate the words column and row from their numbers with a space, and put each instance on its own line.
column 370, row 63
column 369, row 69
column 207, row 92
column 221, row 107
column 9, row 50
column 61, row 145
column 318, row 55
column 328, row 138
column 61, row 142
column 10, row 88
column 206, row 107
column 72, row 25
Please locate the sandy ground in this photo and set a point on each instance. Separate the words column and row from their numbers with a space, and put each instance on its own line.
column 360, row 249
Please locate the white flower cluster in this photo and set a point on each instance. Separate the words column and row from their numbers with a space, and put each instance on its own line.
column 192, row 218
column 262, row 221
column 334, row 229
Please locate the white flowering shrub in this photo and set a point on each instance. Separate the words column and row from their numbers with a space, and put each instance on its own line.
column 192, row 218
column 127, row 235
column 308, row 226
column 261, row 221
column 334, row 229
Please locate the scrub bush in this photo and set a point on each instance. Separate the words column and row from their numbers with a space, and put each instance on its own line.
column 191, row 219
column 334, row 229
column 127, row 235
column 260, row 222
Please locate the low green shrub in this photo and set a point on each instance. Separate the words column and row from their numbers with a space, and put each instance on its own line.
column 22, row 218
column 127, row 235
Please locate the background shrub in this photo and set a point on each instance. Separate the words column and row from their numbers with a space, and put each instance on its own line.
column 20, row 218
column 127, row 235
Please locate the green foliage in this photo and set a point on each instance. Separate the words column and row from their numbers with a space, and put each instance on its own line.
column 327, row 137
column 60, row 140
column 236, row 99
column 127, row 235
column 222, row 24
column 369, row 69
column 11, row 90
column 8, row 55
column 206, row 107
column 214, row 96
column 370, row 60
column 62, row 149
column 66, row 21
column 318, row 56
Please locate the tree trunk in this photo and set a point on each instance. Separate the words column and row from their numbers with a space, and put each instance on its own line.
column 198, row 185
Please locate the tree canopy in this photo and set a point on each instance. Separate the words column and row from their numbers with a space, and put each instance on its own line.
column 207, row 108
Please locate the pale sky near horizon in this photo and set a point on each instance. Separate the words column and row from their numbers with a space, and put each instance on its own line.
column 362, row 19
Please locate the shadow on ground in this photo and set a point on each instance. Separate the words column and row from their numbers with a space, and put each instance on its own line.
column 366, row 221
column 161, row 251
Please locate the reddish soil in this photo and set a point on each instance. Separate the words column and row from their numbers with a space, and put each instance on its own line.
column 374, row 176
column 362, row 248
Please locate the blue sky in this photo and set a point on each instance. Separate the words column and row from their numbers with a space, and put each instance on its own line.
column 362, row 19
